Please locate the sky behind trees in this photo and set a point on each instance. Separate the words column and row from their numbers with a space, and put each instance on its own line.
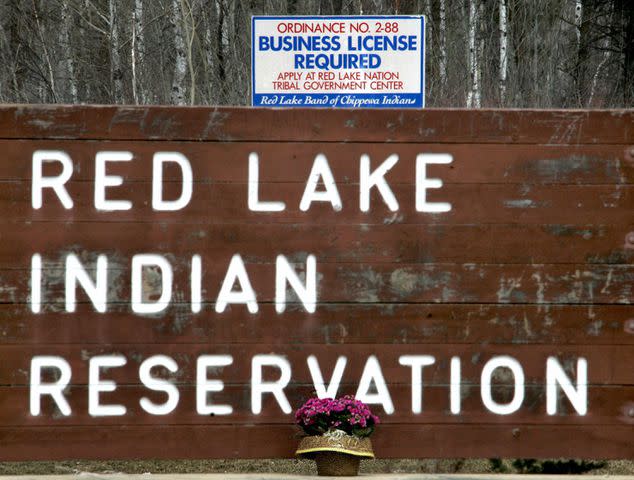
column 480, row 53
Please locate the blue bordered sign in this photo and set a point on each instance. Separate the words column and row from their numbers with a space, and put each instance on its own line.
column 342, row 61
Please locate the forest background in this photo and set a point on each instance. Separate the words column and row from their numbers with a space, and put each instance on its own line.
column 480, row 53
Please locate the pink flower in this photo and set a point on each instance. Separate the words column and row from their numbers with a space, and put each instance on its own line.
column 316, row 416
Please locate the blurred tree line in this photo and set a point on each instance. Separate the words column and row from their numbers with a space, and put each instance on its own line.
column 480, row 53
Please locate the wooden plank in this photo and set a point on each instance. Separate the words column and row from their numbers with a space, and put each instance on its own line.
column 608, row 406
column 363, row 244
column 572, row 284
column 534, row 261
column 226, row 204
column 607, row 365
column 331, row 324
column 292, row 161
column 267, row 441
column 245, row 124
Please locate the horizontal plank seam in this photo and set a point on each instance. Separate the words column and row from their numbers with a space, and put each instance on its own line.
column 312, row 141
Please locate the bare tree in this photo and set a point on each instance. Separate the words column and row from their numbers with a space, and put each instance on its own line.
column 442, row 45
column 624, row 28
column 474, row 95
column 5, row 57
column 578, row 19
column 605, row 47
column 116, row 73
column 515, row 53
column 222, row 43
column 46, row 51
column 180, row 63
column 67, row 49
column 138, row 54
column 189, row 29
column 503, row 48
column 209, row 14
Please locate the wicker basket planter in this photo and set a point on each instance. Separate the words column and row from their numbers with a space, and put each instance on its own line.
column 336, row 453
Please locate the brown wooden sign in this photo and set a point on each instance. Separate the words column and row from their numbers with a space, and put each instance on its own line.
column 174, row 282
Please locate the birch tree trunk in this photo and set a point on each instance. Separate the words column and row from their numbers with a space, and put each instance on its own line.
column 66, row 45
column 442, row 45
column 578, row 20
column 578, row 71
column 180, row 63
column 503, row 49
column 429, row 25
column 210, row 52
column 116, row 74
column 138, row 54
column 189, row 26
column 6, row 60
column 584, row 15
column 222, row 41
column 51, row 75
column 471, row 50
column 479, row 54
column 628, row 55
column 135, row 96
column 606, row 56
column 7, row 74
column 473, row 97
column 86, row 82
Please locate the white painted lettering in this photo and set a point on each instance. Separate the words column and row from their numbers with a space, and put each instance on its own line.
column 578, row 396
column 455, row 397
column 196, row 284
column 159, row 160
column 368, row 180
column 417, row 362
column 485, row 385
column 102, row 181
column 372, row 373
column 39, row 182
column 204, row 385
column 97, row 291
column 259, row 387
column 139, row 304
column 158, row 385
column 321, row 171
column 246, row 294
column 255, row 205
column 36, row 283
column 318, row 378
column 96, row 386
column 423, row 183
column 307, row 293
column 55, row 389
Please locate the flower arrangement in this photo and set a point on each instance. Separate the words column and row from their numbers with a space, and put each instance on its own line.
column 318, row 416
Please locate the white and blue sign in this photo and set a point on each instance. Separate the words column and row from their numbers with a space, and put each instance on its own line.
column 344, row 61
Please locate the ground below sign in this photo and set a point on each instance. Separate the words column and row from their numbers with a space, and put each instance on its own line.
column 176, row 281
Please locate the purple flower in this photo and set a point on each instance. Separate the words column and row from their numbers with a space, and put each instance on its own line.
column 318, row 415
